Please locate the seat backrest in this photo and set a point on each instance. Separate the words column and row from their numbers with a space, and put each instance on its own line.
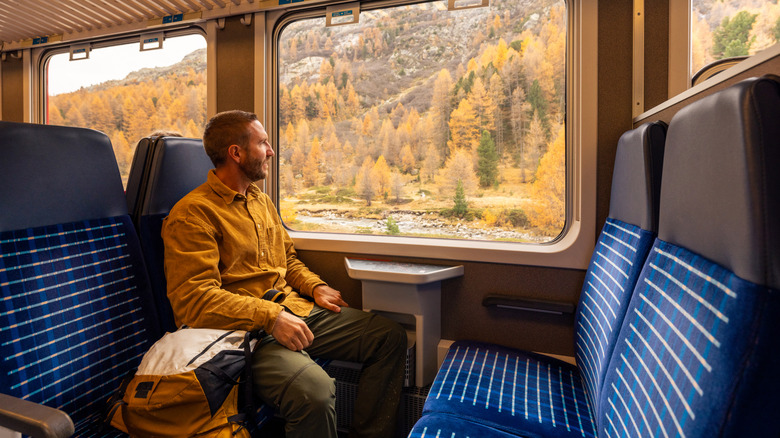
column 620, row 250
column 136, row 180
column 697, row 353
column 76, row 313
column 177, row 166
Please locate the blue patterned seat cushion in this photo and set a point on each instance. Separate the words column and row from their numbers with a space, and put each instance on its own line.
column 511, row 390
column 612, row 274
column 446, row 426
column 525, row 392
column 697, row 354
column 72, row 322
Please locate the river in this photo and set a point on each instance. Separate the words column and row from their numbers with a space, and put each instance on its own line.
column 416, row 225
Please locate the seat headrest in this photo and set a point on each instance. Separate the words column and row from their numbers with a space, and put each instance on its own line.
column 135, row 178
column 636, row 180
column 720, row 195
column 178, row 166
column 56, row 174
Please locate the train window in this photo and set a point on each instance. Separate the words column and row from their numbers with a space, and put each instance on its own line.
column 731, row 29
column 423, row 122
column 128, row 93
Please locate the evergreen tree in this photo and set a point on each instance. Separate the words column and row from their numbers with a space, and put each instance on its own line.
column 776, row 30
column 539, row 104
column 392, row 227
column 487, row 164
column 461, row 207
column 732, row 37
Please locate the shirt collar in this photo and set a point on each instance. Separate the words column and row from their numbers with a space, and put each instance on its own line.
column 226, row 193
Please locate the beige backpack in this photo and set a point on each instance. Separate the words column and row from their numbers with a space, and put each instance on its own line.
column 188, row 385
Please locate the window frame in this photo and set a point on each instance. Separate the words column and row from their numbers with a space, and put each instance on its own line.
column 571, row 249
column 42, row 56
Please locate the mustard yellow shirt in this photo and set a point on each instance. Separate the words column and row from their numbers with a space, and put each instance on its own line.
column 223, row 250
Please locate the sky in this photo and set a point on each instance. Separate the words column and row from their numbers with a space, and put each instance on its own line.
column 110, row 63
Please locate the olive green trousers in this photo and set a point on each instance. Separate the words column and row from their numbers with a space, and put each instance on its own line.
column 305, row 395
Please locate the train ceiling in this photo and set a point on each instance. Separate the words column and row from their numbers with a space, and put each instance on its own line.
column 25, row 23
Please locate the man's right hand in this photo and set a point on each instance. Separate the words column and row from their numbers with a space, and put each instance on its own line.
column 292, row 332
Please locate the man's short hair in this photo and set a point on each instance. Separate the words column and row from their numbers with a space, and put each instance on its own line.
column 225, row 129
column 165, row 133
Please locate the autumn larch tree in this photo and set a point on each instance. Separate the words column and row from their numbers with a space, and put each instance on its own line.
column 548, row 193
column 366, row 185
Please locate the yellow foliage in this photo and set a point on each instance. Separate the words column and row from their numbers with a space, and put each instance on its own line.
column 548, row 193
column 464, row 127
column 382, row 174
column 288, row 214
column 489, row 218
column 459, row 167
column 407, row 159
column 311, row 167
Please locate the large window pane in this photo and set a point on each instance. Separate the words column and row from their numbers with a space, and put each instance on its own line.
column 728, row 28
column 129, row 94
column 420, row 121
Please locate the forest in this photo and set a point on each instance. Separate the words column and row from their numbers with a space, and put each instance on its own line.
column 416, row 121
column 457, row 117
column 148, row 100
column 728, row 28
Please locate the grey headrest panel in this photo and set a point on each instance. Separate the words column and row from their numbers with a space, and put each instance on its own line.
column 636, row 180
column 56, row 174
column 178, row 166
column 720, row 195
column 135, row 180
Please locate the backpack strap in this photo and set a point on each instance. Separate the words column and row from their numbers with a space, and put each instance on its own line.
column 116, row 401
column 247, row 406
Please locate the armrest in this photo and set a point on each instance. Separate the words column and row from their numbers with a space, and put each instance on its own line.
column 530, row 305
column 33, row 419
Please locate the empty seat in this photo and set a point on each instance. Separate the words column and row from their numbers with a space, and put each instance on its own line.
column 697, row 354
column 522, row 392
column 76, row 312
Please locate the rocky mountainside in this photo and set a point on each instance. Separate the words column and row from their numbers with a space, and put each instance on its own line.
column 401, row 51
column 195, row 61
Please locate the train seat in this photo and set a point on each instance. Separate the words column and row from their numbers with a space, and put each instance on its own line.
column 697, row 354
column 136, row 180
column 76, row 311
column 176, row 166
column 523, row 392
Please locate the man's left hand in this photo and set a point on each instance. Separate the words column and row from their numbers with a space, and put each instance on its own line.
column 328, row 298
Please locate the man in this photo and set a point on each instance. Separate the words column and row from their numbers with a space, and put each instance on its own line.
column 225, row 247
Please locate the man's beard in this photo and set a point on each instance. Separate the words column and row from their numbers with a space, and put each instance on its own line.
column 254, row 170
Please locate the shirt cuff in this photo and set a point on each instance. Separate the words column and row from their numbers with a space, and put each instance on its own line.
column 271, row 314
column 308, row 289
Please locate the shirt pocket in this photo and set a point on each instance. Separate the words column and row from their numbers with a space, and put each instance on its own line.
column 275, row 253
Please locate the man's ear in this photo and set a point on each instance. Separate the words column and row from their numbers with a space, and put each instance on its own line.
column 234, row 153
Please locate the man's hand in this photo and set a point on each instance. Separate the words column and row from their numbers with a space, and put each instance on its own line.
column 292, row 332
column 328, row 298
